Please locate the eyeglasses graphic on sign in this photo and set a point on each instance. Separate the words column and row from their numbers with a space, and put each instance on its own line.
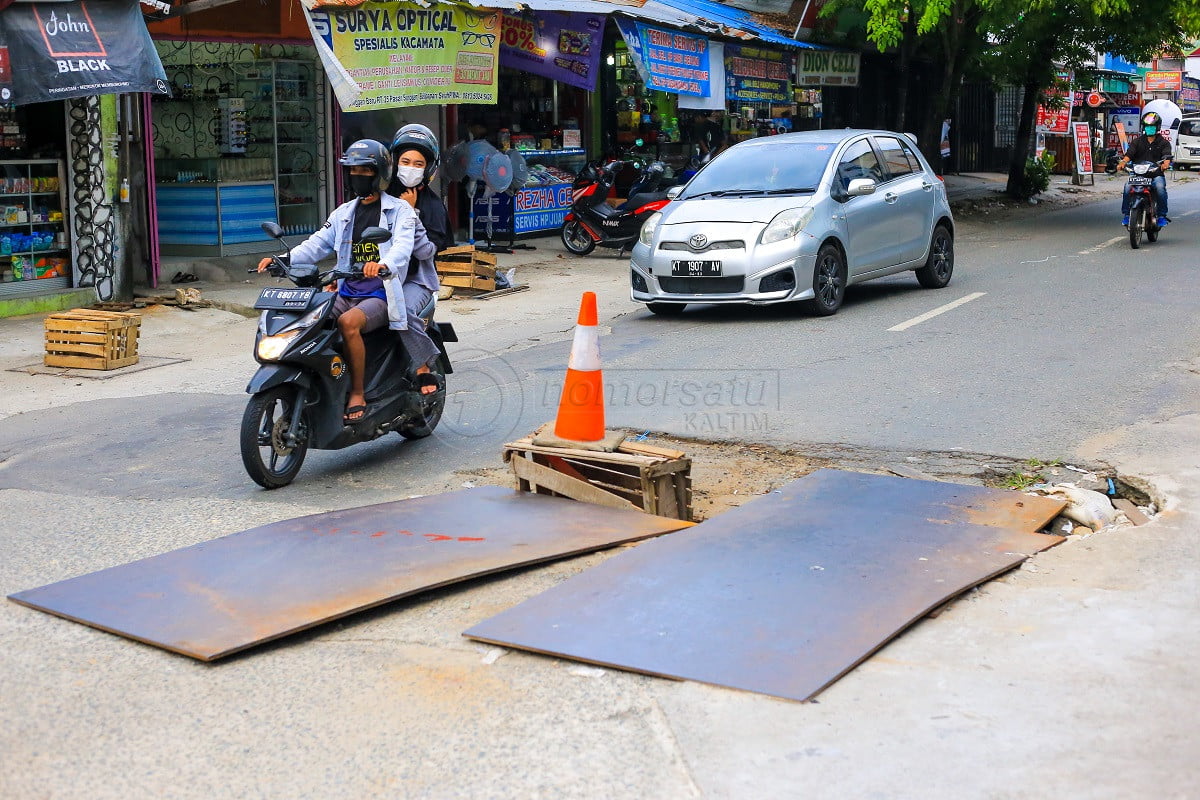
column 486, row 39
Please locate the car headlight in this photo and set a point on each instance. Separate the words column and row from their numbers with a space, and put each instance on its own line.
column 650, row 226
column 270, row 348
column 786, row 225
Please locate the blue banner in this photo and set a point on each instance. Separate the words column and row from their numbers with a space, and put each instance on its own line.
column 668, row 60
column 538, row 208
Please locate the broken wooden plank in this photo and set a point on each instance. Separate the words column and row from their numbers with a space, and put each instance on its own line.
column 1132, row 512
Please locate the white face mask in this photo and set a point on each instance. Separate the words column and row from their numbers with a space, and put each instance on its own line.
column 410, row 176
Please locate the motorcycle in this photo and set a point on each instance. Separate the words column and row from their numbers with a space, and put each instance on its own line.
column 592, row 222
column 1143, row 202
column 298, row 395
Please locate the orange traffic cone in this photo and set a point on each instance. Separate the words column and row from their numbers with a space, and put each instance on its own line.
column 580, row 419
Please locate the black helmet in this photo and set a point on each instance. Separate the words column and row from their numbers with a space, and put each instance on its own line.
column 1152, row 123
column 417, row 137
column 370, row 153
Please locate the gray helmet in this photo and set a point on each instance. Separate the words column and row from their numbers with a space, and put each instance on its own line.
column 370, row 153
column 417, row 137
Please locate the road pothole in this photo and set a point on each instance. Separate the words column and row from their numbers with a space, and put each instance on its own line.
column 725, row 475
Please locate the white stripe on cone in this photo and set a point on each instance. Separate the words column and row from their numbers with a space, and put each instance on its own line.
column 585, row 350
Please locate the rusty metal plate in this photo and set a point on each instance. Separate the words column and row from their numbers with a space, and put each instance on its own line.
column 219, row 597
column 786, row 593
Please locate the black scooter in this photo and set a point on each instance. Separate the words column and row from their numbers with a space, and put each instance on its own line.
column 592, row 222
column 298, row 395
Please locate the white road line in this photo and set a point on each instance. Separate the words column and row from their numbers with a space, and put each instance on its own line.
column 928, row 315
column 1101, row 246
column 1188, row 213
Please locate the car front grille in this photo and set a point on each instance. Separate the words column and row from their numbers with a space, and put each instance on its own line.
column 728, row 285
column 731, row 244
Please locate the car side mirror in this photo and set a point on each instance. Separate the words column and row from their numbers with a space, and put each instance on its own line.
column 272, row 230
column 674, row 192
column 860, row 186
column 376, row 235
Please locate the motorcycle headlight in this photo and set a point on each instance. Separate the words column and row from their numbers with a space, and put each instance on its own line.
column 270, row 348
column 1141, row 169
column 649, row 227
column 786, row 225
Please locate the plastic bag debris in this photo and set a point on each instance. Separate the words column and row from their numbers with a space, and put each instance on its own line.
column 1084, row 506
column 506, row 279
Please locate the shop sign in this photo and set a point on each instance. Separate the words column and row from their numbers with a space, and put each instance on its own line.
column 1095, row 99
column 756, row 73
column 1188, row 99
column 57, row 50
column 668, row 60
column 400, row 54
column 1162, row 81
column 826, row 68
column 1083, row 147
column 563, row 47
column 534, row 208
column 1057, row 121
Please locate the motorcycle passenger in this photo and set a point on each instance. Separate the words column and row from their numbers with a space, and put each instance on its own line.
column 361, row 304
column 1149, row 147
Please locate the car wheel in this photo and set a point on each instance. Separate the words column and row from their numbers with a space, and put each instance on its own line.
column 829, row 282
column 667, row 309
column 939, row 267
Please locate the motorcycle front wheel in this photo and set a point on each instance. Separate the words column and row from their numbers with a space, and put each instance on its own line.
column 1137, row 225
column 576, row 238
column 270, row 458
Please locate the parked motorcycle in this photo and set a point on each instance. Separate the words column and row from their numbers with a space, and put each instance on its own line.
column 592, row 222
column 1143, row 202
column 298, row 396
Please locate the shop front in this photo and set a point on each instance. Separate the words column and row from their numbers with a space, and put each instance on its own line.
column 62, row 190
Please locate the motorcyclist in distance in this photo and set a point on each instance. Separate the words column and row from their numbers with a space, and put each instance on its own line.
column 1149, row 147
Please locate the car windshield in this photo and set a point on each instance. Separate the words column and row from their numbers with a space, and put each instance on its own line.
column 778, row 168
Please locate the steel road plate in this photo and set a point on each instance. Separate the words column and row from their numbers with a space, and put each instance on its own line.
column 788, row 592
column 222, row 596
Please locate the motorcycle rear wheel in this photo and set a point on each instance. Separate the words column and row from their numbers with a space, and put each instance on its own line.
column 269, row 461
column 576, row 238
column 431, row 415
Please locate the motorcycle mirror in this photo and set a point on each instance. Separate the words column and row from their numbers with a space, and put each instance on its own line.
column 674, row 192
column 273, row 230
column 376, row 235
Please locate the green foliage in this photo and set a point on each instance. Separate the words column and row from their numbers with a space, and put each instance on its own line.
column 1037, row 175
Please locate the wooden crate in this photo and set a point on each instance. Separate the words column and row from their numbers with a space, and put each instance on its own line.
column 92, row 339
column 464, row 267
column 637, row 476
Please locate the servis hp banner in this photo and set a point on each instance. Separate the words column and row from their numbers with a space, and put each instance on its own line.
column 401, row 54
column 54, row 51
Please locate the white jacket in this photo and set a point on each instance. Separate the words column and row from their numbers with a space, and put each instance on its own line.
column 336, row 235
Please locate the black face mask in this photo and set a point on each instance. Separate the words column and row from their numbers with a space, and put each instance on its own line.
column 362, row 185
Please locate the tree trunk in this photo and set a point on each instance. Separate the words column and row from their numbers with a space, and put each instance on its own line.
column 959, row 39
column 907, row 44
column 1020, row 154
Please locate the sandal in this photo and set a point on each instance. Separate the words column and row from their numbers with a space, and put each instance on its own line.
column 184, row 277
column 430, row 379
column 354, row 415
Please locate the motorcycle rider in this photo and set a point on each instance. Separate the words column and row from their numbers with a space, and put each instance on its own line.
column 1149, row 147
column 361, row 305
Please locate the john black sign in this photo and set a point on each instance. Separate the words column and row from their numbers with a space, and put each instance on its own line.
column 59, row 50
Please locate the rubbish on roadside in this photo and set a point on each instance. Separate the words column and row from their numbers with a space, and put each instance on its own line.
column 1083, row 505
column 1081, row 530
column 730, row 602
column 445, row 292
column 187, row 299
column 501, row 292
column 579, row 423
column 493, row 655
column 1061, row 526
column 467, row 270
column 636, row 475
column 91, row 339
column 221, row 596
column 587, row 672
column 506, row 279
column 1132, row 512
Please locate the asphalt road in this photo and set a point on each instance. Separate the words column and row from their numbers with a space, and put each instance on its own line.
column 1060, row 336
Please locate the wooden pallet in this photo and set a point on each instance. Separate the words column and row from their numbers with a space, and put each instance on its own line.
column 637, row 476
column 91, row 339
column 466, row 268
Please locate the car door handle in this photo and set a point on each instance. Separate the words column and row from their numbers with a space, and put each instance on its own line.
column 927, row 186
column 891, row 197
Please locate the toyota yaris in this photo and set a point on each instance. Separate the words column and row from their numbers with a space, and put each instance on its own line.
column 797, row 217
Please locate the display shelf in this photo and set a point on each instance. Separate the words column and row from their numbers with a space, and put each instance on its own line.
column 28, row 266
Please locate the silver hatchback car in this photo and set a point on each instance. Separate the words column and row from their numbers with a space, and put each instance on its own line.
column 797, row 217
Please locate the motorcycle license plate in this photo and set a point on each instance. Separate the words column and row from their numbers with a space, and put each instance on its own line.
column 275, row 297
column 1139, row 181
column 696, row 269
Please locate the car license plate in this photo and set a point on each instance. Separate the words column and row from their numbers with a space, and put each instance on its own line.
column 274, row 297
column 1194, row 151
column 696, row 269
column 1138, row 181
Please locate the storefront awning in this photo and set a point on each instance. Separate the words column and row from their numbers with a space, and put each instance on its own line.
column 58, row 50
